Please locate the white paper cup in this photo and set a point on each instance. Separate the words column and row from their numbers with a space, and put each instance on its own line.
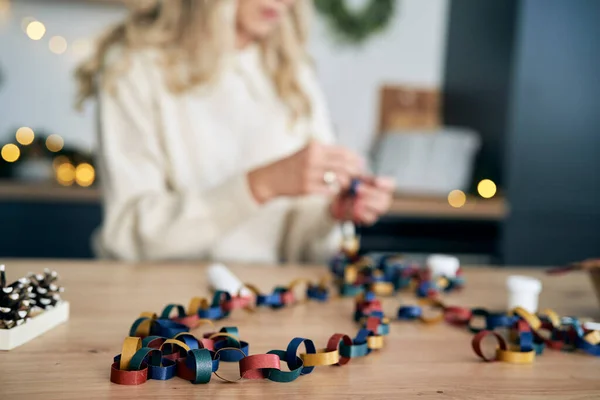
column 442, row 265
column 523, row 291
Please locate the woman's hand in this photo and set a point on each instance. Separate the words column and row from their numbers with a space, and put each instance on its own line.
column 373, row 199
column 305, row 172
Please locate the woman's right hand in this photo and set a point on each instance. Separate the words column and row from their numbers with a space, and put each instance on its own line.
column 304, row 172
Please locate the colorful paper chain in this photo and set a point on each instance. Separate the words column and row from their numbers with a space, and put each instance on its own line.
column 161, row 347
column 385, row 275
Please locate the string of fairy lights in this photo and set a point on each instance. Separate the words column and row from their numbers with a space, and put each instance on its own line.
column 66, row 173
column 486, row 188
column 36, row 30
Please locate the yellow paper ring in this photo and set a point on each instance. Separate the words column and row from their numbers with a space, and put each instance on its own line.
column 320, row 358
column 552, row 316
column 195, row 304
column 203, row 321
column 227, row 335
column 436, row 304
column 297, row 282
column 131, row 345
column 375, row 342
column 383, row 288
column 515, row 357
column 176, row 343
column 350, row 274
column 531, row 319
column 593, row 337
column 217, row 355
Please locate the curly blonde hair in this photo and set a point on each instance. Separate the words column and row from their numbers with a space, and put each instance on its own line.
column 193, row 37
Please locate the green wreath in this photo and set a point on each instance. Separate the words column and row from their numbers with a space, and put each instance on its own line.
column 355, row 27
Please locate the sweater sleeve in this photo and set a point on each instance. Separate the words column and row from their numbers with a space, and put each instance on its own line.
column 313, row 235
column 144, row 218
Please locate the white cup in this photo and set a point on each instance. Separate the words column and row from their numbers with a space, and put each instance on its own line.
column 442, row 265
column 523, row 291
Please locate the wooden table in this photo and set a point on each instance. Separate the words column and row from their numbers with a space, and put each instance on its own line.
column 73, row 360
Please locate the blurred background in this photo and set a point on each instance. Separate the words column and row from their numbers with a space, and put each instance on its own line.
column 486, row 112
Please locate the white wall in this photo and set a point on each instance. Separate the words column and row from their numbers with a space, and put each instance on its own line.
column 38, row 87
column 411, row 51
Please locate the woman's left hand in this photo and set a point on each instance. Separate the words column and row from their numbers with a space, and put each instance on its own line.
column 373, row 199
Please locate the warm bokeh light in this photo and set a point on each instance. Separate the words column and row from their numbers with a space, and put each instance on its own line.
column 10, row 152
column 65, row 174
column 85, row 174
column 55, row 143
column 36, row 30
column 4, row 8
column 25, row 135
column 457, row 198
column 25, row 23
column 58, row 161
column 81, row 47
column 486, row 189
column 58, row 44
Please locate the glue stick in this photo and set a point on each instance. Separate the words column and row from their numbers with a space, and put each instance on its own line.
column 221, row 278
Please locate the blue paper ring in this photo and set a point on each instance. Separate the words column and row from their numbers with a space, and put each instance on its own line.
column 292, row 349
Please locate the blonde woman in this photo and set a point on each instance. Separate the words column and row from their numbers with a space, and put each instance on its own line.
column 215, row 141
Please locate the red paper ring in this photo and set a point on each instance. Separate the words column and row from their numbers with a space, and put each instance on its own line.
column 252, row 367
column 236, row 302
column 173, row 356
column 287, row 297
column 191, row 321
column 128, row 377
column 156, row 343
column 334, row 343
column 523, row 326
column 373, row 323
column 476, row 343
column 457, row 315
column 183, row 371
column 208, row 344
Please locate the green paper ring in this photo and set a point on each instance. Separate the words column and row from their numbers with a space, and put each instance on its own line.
column 276, row 375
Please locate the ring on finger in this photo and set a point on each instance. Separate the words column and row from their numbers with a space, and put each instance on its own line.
column 330, row 178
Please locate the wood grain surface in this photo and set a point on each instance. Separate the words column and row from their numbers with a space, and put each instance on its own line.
column 424, row 362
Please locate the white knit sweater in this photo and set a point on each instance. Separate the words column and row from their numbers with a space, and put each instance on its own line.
column 173, row 168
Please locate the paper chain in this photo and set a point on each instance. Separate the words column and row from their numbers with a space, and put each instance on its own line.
column 161, row 347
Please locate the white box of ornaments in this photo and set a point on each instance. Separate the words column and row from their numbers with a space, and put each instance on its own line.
column 29, row 307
